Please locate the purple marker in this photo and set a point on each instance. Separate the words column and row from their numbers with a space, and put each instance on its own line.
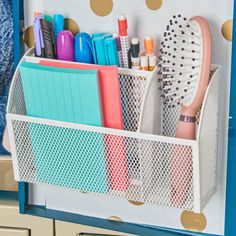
column 65, row 46
column 38, row 37
column 115, row 35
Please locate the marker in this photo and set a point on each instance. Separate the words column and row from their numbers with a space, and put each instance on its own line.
column 124, row 39
column 135, row 49
column 152, row 62
column 58, row 24
column 144, row 63
column 149, row 45
column 38, row 37
column 116, row 36
column 47, row 33
column 111, row 52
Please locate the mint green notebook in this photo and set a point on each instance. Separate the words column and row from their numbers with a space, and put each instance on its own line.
column 65, row 157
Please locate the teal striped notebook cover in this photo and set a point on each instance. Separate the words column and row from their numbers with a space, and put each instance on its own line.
column 64, row 155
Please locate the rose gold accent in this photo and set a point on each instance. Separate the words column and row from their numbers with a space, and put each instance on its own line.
column 181, row 175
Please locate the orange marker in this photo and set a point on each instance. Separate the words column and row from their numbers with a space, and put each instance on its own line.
column 149, row 45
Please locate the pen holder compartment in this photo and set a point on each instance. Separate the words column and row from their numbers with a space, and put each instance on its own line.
column 75, row 156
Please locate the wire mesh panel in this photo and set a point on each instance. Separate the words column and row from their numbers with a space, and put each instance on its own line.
column 79, row 159
column 123, row 164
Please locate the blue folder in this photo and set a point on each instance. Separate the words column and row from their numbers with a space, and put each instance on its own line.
column 65, row 157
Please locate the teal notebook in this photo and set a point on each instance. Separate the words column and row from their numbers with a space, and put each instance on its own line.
column 65, row 157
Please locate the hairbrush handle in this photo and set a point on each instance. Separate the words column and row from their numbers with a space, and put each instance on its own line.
column 182, row 162
column 48, row 39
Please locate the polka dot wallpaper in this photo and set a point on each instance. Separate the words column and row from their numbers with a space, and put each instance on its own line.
column 227, row 30
column 101, row 7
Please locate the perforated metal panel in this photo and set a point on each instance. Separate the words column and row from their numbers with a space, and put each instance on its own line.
column 123, row 164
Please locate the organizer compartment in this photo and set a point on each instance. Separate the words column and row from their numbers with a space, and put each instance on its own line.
column 58, row 160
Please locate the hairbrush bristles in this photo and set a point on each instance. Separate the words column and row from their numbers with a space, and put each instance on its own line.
column 180, row 61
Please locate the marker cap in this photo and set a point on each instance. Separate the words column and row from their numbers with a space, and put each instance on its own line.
column 144, row 61
column 149, row 45
column 123, row 25
column 135, row 47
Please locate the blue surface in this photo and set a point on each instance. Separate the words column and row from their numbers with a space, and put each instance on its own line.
column 230, row 219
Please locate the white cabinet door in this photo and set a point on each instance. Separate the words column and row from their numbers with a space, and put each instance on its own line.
column 14, row 232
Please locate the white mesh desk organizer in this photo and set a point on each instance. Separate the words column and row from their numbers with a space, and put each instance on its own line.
column 149, row 144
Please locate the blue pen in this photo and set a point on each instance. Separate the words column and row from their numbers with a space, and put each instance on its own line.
column 58, row 22
column 111, row 51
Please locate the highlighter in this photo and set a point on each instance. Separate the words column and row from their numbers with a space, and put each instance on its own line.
column 111, row 51
column 65, row 46
column 58, row 23
column 99, row 50
column 149, row 45
column 84, row 48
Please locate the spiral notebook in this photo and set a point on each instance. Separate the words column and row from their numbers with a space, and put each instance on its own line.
column 72, row 96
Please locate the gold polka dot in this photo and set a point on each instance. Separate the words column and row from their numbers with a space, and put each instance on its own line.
column 227, row 30
column 101, row 7
column 72, row 26
column 115, row 219
column 84, row 192
column 136, row 203
column 193, row 221
column 28, row 37
column 154, row 4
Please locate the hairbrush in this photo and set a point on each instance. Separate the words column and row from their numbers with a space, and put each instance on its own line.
column 185, row 71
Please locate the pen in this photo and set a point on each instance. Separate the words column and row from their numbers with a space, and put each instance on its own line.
column 152, row 62
column 48, row 39
column 144, row 63
column 124, row 39
column 135, row 49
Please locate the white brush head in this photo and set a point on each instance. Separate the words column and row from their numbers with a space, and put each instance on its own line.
column 181, row 61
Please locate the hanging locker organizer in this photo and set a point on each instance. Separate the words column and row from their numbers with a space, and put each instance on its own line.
column 153, row 153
